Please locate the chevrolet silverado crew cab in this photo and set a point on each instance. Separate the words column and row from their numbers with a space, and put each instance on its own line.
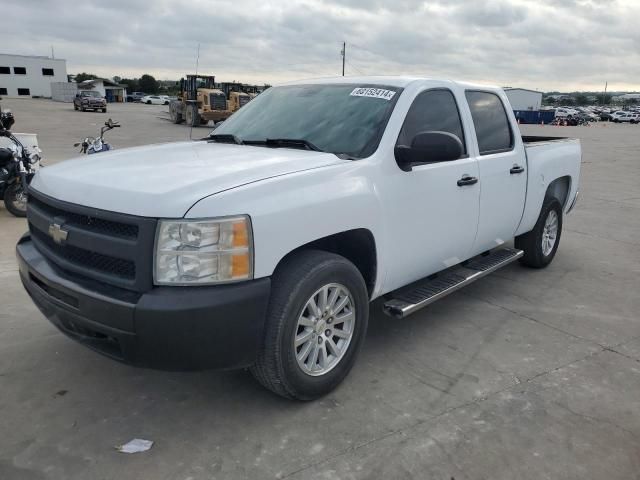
column 263, row 244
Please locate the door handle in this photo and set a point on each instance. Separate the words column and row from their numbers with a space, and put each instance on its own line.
column 516, row 169
column 467, row 180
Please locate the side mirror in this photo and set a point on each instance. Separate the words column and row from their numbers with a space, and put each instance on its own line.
column 429, row 147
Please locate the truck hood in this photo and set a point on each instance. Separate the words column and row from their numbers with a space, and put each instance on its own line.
column 165, row 180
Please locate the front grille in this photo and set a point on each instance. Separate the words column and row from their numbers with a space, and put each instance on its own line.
column 87, row 259
column 109, row 247
column 94, row 224
column 217, row 101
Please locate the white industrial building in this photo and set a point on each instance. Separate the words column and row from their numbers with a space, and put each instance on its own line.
column 523, row 99
column 29, row 76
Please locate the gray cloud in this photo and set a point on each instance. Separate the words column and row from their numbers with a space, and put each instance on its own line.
column 545, row 44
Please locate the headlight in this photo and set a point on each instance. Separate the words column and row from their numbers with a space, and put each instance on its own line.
column 203, row 252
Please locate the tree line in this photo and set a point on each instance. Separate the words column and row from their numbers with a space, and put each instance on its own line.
column 146, row 83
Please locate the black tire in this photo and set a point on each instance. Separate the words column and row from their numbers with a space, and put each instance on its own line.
column 83, row 109
column 293, row 284
column 174, row 114
column 192, row 117
column 75, row 107
column 10, row 195
column 531, row 242
column 148, row 102
column 104, row 110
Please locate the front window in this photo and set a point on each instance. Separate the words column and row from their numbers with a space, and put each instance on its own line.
column 344, row 119
column 90, row 94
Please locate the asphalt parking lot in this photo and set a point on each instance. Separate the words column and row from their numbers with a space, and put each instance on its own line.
column 527, row 374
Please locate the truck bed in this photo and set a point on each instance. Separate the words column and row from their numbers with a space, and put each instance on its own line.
column 548, row 157
column 526, row 139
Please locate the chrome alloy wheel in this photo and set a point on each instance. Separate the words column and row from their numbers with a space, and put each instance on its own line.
column 549, row 233
column 325, row 329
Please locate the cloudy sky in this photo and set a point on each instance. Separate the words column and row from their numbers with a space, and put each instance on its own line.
column 540, row 44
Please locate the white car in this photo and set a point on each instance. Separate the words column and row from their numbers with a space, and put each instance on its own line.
column 155, row 100
column 268, row 248
column 563, row 112
column 625, row 117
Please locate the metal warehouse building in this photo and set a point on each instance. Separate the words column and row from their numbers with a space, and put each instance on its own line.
column 26, row 76
column 523, row 99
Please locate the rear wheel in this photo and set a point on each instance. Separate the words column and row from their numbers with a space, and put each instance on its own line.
column 15, row 200
column 316, row 323
column 541, row 243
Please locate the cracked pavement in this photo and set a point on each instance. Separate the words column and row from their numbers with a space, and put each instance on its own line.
column 527, row 374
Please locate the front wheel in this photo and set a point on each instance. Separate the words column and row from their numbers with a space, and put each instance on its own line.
column 15, row 199
column 541, row 243
column 191, row 115
column 316, row 323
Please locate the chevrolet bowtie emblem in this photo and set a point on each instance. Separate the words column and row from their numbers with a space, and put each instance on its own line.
column 57, row 233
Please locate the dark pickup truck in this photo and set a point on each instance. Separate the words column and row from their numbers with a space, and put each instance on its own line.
column 90, row 100
column 135, row 96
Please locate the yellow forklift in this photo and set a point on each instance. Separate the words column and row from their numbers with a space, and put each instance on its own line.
column 200, row 100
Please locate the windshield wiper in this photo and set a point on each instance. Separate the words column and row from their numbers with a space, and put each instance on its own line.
column 225, row 138
column 290, row 143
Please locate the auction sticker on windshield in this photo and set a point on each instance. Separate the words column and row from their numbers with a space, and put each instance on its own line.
column 373, row 93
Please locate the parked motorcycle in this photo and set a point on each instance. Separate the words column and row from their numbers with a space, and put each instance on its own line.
column 92, row 145
column 6, row 118
column 17, row 167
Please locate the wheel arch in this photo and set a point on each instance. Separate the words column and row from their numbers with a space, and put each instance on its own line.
column 357, row 245
column 559, row 189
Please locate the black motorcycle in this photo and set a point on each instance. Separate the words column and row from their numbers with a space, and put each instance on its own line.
column 17, row 168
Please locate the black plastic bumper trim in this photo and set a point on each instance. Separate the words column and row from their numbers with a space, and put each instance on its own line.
column 168, row 328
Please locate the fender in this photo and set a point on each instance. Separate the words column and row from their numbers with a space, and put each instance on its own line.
column 320, row 202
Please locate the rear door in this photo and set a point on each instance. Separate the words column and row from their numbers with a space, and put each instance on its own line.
column 503, row 170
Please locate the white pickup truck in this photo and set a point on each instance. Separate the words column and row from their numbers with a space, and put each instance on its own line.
column 263, row 244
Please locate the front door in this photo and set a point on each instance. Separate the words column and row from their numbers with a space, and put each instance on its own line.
column 503, row 170
column 432, row 215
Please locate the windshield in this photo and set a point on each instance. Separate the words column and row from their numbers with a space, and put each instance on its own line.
column 345, row 119
column 90, row 94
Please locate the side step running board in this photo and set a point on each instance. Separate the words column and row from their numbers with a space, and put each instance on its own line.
column 409, row 300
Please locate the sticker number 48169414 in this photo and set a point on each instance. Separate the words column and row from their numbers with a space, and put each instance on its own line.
column 373, row 93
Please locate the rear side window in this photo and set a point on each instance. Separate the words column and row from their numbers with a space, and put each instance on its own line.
column 491, row 122
column 432, row 110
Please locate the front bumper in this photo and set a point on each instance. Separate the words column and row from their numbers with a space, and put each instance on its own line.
column 168, row 328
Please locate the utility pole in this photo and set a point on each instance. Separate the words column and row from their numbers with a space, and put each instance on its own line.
column 344, row 55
